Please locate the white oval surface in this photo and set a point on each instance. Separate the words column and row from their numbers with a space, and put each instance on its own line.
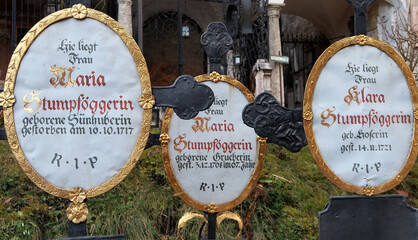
column 363, row 118
column 214, row 156
column 76, row 114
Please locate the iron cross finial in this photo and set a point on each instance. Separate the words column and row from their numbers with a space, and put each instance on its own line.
column 360, row 15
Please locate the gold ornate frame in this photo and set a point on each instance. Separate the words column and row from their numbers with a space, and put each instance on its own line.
column 308, row 115
column 212, row 207
column 7, row 99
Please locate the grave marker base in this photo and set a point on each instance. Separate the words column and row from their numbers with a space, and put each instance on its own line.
column 380, row 217
column 113, row 237
column 79, row 232
column 203, row 238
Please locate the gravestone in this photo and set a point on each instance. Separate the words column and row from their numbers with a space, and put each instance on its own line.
column 78, row 105
column 67, row 110
column 376, row 71
column 362, row 136
column 214, row 160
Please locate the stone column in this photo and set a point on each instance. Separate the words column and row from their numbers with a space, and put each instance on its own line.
column 125, row 14
column 140, row 25
column 230, row 58
column 275, row 45
column 414, row 23
column 262, row 74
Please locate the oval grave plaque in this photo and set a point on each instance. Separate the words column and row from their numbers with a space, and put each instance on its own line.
column 359, row 115
column 77, row 103
column 214, row 160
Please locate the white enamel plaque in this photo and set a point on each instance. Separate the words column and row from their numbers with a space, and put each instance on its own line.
column 213, row 160
column 359, row 115
column 77, row 119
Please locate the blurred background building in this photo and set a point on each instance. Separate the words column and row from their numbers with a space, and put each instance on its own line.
column 276, row 42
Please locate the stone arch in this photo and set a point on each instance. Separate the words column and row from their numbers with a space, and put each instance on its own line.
column 202, row 12
column 163, row 65
column 331, row 17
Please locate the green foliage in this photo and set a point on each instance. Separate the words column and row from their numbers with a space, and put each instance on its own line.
column 284, row 204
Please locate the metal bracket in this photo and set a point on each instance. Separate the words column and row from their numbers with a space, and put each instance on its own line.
column 186, row 96
column 280, row 125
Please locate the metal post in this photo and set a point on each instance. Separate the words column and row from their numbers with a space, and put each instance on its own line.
column 180, row 35
column 211, row 217
column 140, row 26
column 77, row 230
column 360, row 15
column 13, row 40
column 86, row 3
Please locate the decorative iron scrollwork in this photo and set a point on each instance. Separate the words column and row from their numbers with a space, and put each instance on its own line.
column 216, row 42
column 280, row 125
column 186, row 96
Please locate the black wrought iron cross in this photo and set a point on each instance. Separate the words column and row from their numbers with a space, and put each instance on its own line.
column 216, row 42
column 280, row 125
column 268, row 118
column 360, row 15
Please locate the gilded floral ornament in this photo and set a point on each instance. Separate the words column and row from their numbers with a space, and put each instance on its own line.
column 307, row 115
column 211, row 207
column 399, row 177
column 79, row 11
column 362, row 40
column 215, row 77
column 369, row 191
column 7, row 99
column 146, row 102
column 77, row 212
column 416, row 114
column 164, row 138
column 77, row 195
column 262, row 139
